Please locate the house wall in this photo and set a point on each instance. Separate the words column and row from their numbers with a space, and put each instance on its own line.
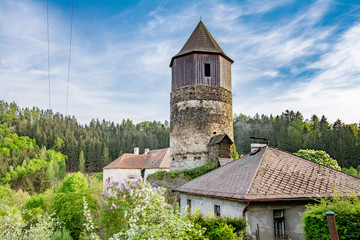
column 153, row 170
column 262, row 214
column 121, row 174
column 256, row 214
column 206, row 205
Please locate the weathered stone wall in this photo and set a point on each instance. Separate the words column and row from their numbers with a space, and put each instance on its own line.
column 197, row 114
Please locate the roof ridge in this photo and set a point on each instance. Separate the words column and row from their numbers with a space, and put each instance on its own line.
column 313, row 161
column 256, row 172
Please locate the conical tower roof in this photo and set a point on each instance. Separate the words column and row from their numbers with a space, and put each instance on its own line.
column 200, row 41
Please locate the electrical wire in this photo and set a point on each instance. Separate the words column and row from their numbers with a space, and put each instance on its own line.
column 68, row 77
column 48, row 42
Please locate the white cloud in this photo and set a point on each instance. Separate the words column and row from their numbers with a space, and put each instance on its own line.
column 124, row 73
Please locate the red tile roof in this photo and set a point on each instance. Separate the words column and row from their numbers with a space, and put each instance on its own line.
column 158, row 158
column 201, row 41
column 272, row 174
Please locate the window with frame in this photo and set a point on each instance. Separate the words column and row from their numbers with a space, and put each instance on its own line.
column 188, row 206
column 279, row 224
column 207, row 70
column 217, row 210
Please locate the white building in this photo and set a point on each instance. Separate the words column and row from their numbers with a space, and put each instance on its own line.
column 135, row 165
column 269, row 187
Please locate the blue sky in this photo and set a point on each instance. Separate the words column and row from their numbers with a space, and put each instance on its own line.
column 299, row 55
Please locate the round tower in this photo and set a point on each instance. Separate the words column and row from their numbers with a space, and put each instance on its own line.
column 200, row 99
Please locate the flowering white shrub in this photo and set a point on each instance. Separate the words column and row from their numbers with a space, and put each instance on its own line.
column 11, row 223
column 136, row 210
column 89, row 226
column 12, row 226
column 43, row 230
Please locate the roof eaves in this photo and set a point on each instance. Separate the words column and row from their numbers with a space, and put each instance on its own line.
column 205, row 52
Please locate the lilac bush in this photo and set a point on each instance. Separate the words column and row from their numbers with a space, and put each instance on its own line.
column 136, row 210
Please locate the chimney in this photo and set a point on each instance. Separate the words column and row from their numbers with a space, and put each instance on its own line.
column 258, row 143
column 136, row 150
column 146, row 151
column 256, row 146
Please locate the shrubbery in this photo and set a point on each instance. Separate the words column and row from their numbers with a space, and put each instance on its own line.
column 136, row 210
column 217, row 228
column 347, row 217
column 187, row 173
column 69, row 200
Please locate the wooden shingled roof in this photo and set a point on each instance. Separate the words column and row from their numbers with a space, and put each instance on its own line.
column 272, row 174
column 201, row 41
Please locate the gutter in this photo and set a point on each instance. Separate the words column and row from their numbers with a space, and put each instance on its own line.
column 245, row 208
column 249, row 200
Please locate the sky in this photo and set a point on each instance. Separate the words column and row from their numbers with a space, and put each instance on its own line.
column 297, row 55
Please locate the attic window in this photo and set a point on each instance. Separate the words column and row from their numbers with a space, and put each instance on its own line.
column 217, row 210
column 207, row 69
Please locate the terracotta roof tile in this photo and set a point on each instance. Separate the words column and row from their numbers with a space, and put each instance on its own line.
column 272, row 174
column 158, row 158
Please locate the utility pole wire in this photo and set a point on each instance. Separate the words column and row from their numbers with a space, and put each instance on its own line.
column 68, row 79
column 48, row 42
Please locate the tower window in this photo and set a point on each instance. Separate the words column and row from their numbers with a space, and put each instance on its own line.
column 207, row 69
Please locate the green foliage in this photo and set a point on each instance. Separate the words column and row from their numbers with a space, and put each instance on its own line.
column 347, row 217
column 75, row 182
column 188, row 173
column 136, row 210
column 319, row 156
column 220, row 227
column 22, row 157
column 68, row 202
column 291, row 132
column 352, row 171
column 223, row 231
column 63, row 234
column 6, row 194
column 234, row 153
column 82, row 162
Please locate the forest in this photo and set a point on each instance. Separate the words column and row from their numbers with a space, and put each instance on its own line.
column 101, row 142
column 42, row 197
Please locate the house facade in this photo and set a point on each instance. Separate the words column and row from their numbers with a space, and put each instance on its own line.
column 135, row 165
column 269, row 187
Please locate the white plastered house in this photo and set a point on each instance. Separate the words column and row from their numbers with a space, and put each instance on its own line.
column 268, row 187
column 135, row 165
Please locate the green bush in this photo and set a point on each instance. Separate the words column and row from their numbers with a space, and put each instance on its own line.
column 220, row 227
column 35, row 202
column 347, row 217
column 68, row 202
column 62, row 235
column 188, row 173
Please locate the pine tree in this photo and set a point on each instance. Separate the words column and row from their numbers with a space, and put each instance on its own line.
column 82, row 162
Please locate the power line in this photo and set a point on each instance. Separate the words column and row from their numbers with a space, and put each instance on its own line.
column 68, row 79
column 48, row 42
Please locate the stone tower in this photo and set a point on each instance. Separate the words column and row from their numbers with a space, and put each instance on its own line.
column 200, row 99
